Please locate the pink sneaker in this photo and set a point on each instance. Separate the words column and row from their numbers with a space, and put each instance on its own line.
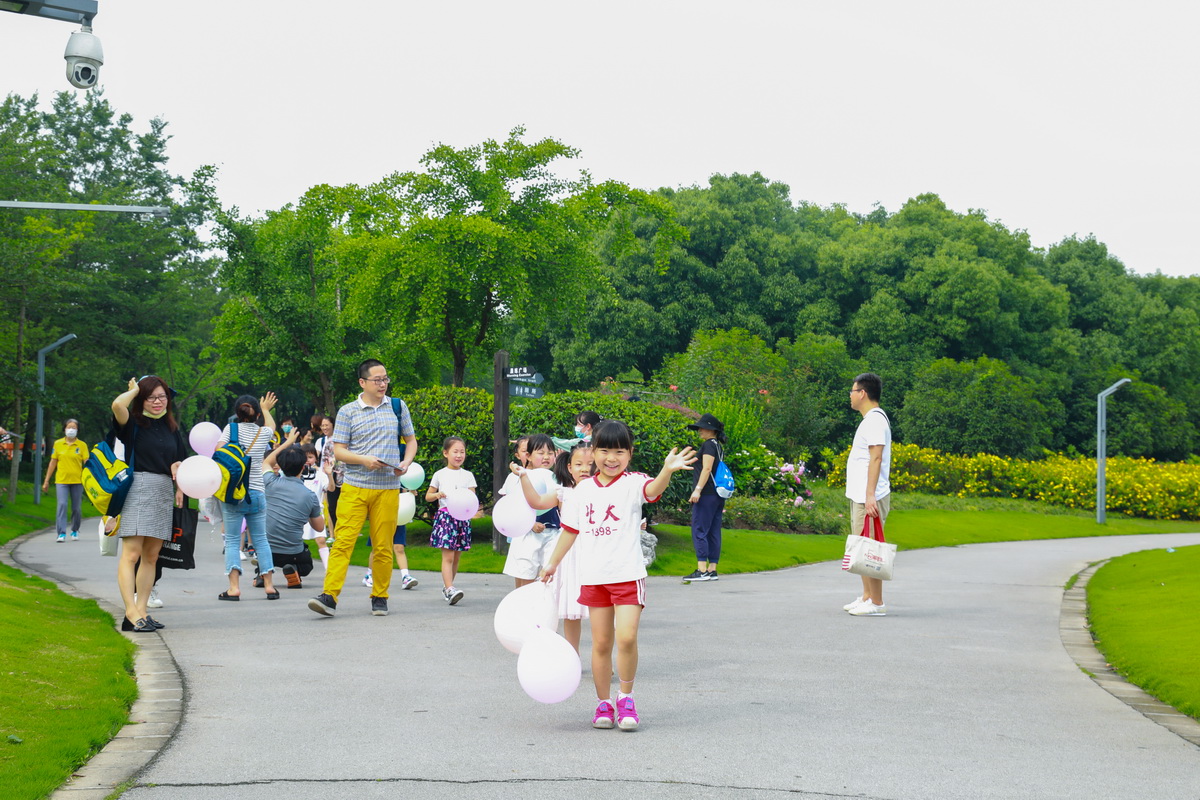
column 605, row 717
column 627, row 718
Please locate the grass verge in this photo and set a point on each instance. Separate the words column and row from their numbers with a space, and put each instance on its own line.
column 1150, row 648
column 68, row 681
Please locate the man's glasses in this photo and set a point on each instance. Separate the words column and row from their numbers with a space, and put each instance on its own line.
column 384, row 381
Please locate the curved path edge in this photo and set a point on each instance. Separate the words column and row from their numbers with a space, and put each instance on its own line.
column 1077, row 639
column 154, row 717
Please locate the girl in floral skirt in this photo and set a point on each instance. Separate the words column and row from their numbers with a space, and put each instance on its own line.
column 451, row 535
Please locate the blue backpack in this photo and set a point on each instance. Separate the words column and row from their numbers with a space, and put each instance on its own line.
column 723, row 476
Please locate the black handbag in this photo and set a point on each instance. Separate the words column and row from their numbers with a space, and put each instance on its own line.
column 179, row 552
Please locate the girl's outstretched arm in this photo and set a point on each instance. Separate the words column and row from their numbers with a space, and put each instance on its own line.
column 671, row 464
column 538, row 502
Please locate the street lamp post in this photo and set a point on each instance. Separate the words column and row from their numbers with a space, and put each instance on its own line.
column 37, row 439
column 1102, row 445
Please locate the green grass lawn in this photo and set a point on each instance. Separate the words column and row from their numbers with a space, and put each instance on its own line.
column 1134, row 606
column 68, row 681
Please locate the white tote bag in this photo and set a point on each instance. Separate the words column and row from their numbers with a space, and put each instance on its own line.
column 868, row 556
column 108, row 544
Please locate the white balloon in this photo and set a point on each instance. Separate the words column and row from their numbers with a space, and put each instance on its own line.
column 523, row 610
column 548, row 668
column 512, row 516
column 407, row 508
column 198, row 477
column 413, row 477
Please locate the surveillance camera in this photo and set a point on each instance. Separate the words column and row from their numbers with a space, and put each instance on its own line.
column 84, row 56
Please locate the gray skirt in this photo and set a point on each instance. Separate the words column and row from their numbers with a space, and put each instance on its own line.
column 148, row 506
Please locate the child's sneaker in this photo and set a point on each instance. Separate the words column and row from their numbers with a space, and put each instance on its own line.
column 605, row 715
column 627, row 718
column 408, row 582
column 368, row 581
column 452, row 595
column 74, row 536
column 62, row 537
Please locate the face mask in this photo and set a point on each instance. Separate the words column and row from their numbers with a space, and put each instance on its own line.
column 578, row 431
column 287, row 428
column 154, row 415
column 72, row 433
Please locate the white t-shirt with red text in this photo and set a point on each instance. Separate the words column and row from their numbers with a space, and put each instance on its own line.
column 608, row 520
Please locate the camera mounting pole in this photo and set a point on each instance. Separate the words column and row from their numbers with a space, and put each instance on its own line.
column 77, row 11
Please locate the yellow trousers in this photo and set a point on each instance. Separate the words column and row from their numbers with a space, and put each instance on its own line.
column 356, row 506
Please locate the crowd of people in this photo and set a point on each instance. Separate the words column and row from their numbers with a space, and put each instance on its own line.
column 325, row 483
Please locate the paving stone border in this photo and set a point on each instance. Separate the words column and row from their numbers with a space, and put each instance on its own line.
column 155, row 714
column 1077, row 638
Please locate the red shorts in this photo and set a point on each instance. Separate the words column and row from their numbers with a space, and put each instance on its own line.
column 629, row 593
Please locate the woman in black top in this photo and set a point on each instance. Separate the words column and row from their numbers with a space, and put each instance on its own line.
column 144, row 420
column 707, row 505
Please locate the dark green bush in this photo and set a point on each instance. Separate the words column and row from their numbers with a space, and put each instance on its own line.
column 443, row 411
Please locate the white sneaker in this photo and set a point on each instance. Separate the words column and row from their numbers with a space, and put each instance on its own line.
column 855, row 602
column 408, row 582
column 74, row 536
column 62, row 537
column 452, row 595
column 242, row 553
column 869, row 609
column 368, row 581
column 155, row 601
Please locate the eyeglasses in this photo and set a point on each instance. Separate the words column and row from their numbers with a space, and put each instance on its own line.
column 157, row 398
column 384, row 381
column 852, row 391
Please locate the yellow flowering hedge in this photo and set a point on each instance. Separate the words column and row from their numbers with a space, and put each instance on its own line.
column 1138, row 486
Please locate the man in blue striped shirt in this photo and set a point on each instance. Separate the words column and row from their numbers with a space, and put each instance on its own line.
column 365, row 439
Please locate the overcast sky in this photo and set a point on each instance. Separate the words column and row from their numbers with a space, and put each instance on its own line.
column 1059, row 118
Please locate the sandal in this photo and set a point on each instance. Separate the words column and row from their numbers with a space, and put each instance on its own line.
column 273, row 595
column 228, row 596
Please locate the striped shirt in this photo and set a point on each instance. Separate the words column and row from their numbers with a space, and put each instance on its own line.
column 372, row 431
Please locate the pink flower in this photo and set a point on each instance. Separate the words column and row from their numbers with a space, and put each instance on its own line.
column 674, row 388
column 799, row 501
column 786, row 468
column 762, row 391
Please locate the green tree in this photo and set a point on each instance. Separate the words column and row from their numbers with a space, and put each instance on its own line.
column 137, row 292
column 284, row 323
column 483, row 234
column 974, row 407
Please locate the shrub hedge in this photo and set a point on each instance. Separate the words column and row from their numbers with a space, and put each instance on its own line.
column 1141, row 487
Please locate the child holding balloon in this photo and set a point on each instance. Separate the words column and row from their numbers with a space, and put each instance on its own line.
column 451, row 532
column 603, row 516
column 529, row 553
column 570, row 469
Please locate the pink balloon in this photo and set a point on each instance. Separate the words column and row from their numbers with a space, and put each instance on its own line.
column 198, row 476
column 204, row 438
column 462, row 503
column 512, row 516
column 548, row 667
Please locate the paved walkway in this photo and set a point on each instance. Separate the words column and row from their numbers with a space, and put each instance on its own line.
column 757, row 686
